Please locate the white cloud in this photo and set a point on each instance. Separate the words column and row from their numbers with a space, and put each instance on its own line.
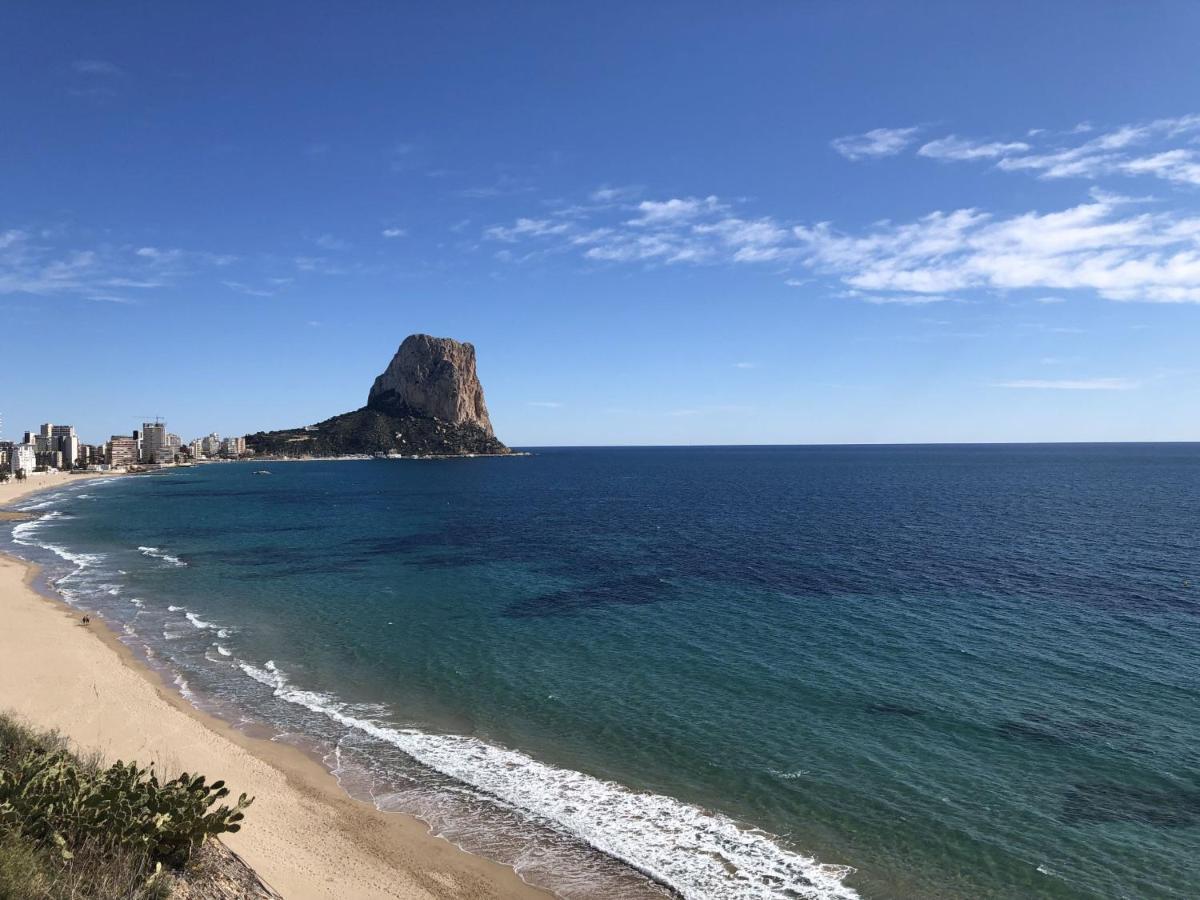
column 330, row 242
column 95, row 67
column 1182, row 166
column 1079, row 384
column 901, row 299
column 956, row 148
column 1106, row 153
column 615, row 194
column 1152, row 257
column 757, row 240
column 394, row 232
column 661, row 212
column 248, row 289
column 876, row 143
column 524, row 228
column 1115, row 246
column 745, row 365
column 37, row 263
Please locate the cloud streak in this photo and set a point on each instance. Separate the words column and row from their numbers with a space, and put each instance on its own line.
column 1079, row 384
column 1111, row 246
column 875, row 144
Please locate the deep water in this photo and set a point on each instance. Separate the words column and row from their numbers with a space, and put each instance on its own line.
column 968, row 671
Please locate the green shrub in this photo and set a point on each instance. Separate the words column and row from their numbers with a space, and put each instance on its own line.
column 72, row 828
column 53, row 800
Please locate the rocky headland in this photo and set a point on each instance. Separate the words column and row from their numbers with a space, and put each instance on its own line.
column 427, row 402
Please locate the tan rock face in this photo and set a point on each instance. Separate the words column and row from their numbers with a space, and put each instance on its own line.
column 434, row 377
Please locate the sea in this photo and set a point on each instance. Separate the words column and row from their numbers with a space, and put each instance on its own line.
column 714, row 672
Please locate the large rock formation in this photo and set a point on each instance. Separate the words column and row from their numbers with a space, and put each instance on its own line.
column 432, row 377
column 427, row 402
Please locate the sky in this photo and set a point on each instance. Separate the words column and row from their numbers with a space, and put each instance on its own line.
column 666, row 223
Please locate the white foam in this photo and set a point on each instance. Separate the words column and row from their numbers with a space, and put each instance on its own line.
column 184, row 688
column 701, row 854
column 174, row 608
column 199, row 622
column 222, row 650
column 23, row 530
column 156, row 553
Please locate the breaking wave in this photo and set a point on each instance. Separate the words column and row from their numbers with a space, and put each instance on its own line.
column 156, row 553
column 702, row 855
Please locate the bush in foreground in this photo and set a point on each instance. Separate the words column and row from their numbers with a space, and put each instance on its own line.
column 73, row 828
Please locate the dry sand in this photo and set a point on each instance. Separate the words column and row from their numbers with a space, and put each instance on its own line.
column 303, row 834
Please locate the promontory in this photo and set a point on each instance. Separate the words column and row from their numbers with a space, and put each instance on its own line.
column 427, row 402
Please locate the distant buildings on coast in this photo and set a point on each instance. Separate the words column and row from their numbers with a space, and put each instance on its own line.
column 153, row 446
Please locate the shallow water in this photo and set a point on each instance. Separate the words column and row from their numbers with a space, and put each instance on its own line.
column 956, row 671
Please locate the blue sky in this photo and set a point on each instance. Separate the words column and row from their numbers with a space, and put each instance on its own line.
column 658, row 223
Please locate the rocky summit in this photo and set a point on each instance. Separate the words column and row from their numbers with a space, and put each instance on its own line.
column 432, row 378
column 427, row 402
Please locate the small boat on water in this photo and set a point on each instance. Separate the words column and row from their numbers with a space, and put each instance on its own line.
column 262, row 472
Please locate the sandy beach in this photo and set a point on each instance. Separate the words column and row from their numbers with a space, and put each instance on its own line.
column 303, row 835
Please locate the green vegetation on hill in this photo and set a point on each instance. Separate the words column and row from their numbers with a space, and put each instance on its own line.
column 369, row 430
column 73, row 828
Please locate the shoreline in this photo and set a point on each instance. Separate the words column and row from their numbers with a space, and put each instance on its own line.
column 304, row 835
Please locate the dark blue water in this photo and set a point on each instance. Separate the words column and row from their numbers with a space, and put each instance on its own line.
column 965, row 672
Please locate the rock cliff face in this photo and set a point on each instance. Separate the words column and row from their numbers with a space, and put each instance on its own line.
column 427, row 402
column 433, row 378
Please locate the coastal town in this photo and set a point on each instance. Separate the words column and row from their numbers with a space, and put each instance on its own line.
column 58, row 448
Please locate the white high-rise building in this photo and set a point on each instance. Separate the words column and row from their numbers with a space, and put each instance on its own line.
column 22, row 457
column 69, row 445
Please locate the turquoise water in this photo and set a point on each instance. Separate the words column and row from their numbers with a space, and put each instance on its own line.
column 963, row 672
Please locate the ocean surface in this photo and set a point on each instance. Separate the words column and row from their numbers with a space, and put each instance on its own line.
column 792, row 672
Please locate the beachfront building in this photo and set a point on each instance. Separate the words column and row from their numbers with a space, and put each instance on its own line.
column 44, row 440
column 156, row 444
column 122, row 451
column 68, row 446
column 22, row 458
column 211, row 445
column 232, row 448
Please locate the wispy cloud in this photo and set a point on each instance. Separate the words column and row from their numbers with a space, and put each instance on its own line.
column 38, row 263
column 876, row 143
column 1135, row 256
column 504, row 186
column 745, row 365
column 523, row 228
column 1162, row 148
column 615, row 194
column 250, row 290
column 95, row 67
column 394, row 232
column 1068, row 384
column 1110, row 246
column 956, row 148
column 662, row 212
column 330, row 242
